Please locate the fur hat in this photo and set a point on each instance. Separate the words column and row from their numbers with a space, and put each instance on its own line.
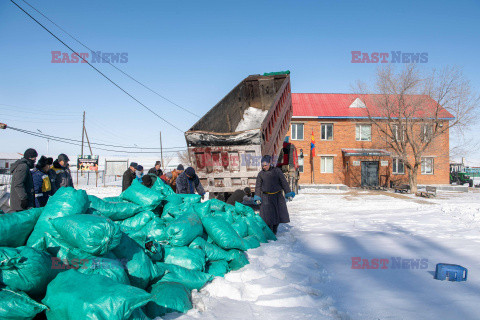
column 190, row 172
column 30, row 153
column 42, row 162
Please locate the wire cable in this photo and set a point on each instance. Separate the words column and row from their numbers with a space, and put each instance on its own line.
column 118, row 69
column 101, row 73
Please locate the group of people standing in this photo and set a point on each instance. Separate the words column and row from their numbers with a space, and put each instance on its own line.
column 181, row 180
column 34, row 182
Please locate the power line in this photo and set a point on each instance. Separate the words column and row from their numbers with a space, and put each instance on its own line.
column 100, row 144
column 118, row 69
column 101, row 73
column 65, row 140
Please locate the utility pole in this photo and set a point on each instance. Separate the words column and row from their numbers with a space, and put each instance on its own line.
column 161, row 151
column 83, row 130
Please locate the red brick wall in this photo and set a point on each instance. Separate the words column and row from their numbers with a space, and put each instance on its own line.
column 344, row 138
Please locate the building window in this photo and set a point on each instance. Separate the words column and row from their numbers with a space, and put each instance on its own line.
column 363, row 132
column 427, row 165
column 398, row 167
column 427, row 132
column 398, row 132
column 326, row 165
column 327, row 131
column 300, row 168
column 297, row 131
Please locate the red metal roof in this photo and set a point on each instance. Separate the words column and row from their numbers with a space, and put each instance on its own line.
column 337, row 105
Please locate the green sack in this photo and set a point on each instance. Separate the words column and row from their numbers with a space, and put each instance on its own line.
column 251, row 242
column 244, row 210
column 138, row 314
column 173, row 210
column 202, row 209
column 139, row 266
column 138, row 221
column 115, row 199
column 156, row 230
column 217, row 268
column 67, row 254
column 174, row 199
column 15, row 227
column 93, row 234
column 162, row 187
column 216, row 205
column 223, row 234
column 18, row 305
column 211, row 250
column 240, row 226
column 239, row 261
column 255, row 230
column 108, row 266
column 182, row 231
column 73, row 295
column 269, row 235
column 26, row 269
column 193, row 259
column 224, row 215
column 155, row 251
column 192, row 279
column 147, row 198
column 190, row 198
column 65, row 202
column 168, row 297
column 112, row 210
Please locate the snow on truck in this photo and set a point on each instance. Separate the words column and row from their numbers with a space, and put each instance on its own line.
column 226, row 145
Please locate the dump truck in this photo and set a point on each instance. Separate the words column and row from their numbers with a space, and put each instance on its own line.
column 226, row 145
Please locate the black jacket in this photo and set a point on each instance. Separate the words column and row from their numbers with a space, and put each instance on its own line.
column 22, row 185
column 156, row 172
column 184, row 184
column 128, row 177
column 52, row 175
column 63, row 176
column 237, row 196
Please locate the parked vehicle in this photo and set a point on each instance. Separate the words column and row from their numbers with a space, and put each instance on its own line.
column 458, row 174
column 226, row 145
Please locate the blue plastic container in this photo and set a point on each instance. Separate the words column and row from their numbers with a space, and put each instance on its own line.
column 453, row 272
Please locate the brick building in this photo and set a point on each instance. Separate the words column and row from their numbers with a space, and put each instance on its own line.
column 350, row 150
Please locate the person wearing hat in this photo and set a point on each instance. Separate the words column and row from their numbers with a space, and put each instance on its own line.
column 139, row 173
column 188, row 182
column 52, row 175
column 167, row 178
column 147, row 181
column 268, row 192
column 41, row 182
column 242, row 196
column 129, row 175
column 61, row 168
column 22, row 195
column 156, row 169
column 175, row 174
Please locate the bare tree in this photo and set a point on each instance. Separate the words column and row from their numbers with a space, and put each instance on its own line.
column 184, row 158
column 411, row 109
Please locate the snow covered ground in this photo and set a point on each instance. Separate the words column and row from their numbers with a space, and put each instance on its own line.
column 307, row 273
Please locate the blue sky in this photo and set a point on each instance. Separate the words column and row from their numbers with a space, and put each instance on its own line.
column 195, row 52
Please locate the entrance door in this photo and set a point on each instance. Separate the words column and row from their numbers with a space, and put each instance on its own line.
column 369, row 173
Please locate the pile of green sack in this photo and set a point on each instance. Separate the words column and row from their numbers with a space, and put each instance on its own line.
column 135, row 256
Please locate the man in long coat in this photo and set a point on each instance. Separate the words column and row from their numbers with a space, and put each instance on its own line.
column 22, row 195
column 129, row 175
column 268, row 191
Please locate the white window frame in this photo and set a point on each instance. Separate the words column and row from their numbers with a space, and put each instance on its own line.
column 323, row 164
column 296, row 131
column 427, row 134
column 396, row 132
column 358, row 132
column 395, row 163
column 325, row 125
column 424, row 167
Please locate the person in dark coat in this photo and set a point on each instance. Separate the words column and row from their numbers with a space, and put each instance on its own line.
column 52, row 175
column 22, row 195
column 268, row 191
column 188, row 182
column 156, row 170
column 41, row 182
column 175, row 174
column 63, row 175
column 241, row 196
column 129, row 175
column 147, row 181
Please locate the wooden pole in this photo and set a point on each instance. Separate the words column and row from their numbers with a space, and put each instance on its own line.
column 83, row 131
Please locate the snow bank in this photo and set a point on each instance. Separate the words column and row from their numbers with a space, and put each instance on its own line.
column 252, row 119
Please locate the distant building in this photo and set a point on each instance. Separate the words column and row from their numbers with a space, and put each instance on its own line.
column 6, row 161
column 348, row 148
